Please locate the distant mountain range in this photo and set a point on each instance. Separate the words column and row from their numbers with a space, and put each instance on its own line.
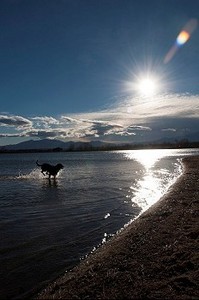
column 57, row 145
column 48, row 144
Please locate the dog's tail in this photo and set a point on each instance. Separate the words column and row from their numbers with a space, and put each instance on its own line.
column 38, row 164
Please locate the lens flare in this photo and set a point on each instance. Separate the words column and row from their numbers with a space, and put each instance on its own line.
column 181, row 39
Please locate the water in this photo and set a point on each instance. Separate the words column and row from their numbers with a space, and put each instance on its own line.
column 48, row 226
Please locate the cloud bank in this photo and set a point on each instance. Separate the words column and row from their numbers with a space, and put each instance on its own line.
column 129, row 120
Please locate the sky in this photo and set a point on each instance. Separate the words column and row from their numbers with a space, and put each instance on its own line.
column 109, row 70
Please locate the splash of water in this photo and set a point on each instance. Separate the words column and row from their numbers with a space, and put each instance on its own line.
column 34, row 174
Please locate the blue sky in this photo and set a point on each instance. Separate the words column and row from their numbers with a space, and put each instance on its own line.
column 69, row 69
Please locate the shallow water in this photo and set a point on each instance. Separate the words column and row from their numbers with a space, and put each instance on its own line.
column 47, row 226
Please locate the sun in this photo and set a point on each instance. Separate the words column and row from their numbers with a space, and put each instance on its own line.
column 147, row 86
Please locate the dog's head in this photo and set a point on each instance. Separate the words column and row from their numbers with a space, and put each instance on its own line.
column 60, row 166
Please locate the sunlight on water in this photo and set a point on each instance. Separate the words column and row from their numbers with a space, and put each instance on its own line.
column 155, row 182
column 150, row 189
column 147, row 158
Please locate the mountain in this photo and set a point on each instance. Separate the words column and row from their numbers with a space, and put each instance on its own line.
column 40, row 144
column 47, row 144
column 56, row 145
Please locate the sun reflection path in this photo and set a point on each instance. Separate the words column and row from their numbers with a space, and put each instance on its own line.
column 147, row 158
column 155, row 181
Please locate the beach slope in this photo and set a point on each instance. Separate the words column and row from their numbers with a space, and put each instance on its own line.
column 156, row 257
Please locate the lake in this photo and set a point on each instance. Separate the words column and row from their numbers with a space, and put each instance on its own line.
column 47, row 227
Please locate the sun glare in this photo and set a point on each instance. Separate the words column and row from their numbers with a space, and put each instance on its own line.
column 147, row 86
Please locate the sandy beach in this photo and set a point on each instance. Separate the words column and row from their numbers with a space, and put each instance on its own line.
column 156, row 257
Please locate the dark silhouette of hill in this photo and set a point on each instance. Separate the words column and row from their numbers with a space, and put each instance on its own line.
column 49, row 145
column 54, row 145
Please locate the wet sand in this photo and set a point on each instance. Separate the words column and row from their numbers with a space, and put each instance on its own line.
column 156, row 257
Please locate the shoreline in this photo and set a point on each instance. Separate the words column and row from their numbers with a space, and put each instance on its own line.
column 155, row 257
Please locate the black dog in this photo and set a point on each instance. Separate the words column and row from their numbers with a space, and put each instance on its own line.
column 49, row 169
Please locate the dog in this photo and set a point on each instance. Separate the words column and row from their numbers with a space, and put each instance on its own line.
column 47, row 169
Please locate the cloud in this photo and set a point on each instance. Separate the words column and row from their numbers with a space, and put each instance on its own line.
column 170, row 105
column 5, row 135
column 104, row 128
column 46, row 121
column 41, row 133
column 69, row 120
column 139, row 128
column 130, row 119
column 169, row 129
column 16, row 121
column 80, row 126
